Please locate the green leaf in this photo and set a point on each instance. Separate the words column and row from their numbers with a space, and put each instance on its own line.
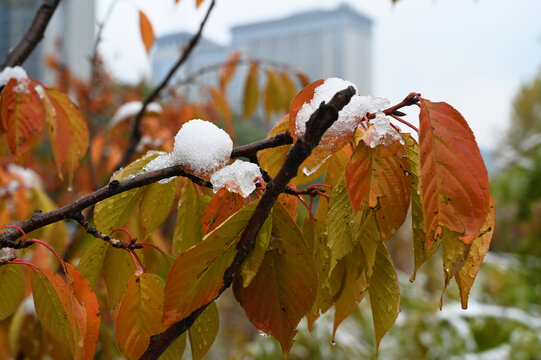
column 118, row 268
column 384, row 293
column 11, row 289
column 202, row 268
column 91, row 264
column 285, row 286
column 175, row 350
column 139, row 315
column 251, row 264
column 156, row 205
column 188, row 230
column 203, row 331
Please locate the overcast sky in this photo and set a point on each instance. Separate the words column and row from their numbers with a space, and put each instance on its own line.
column 473, row 54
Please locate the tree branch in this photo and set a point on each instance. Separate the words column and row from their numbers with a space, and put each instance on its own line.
column 33, row 35
column 319, row 122
column 136, row 132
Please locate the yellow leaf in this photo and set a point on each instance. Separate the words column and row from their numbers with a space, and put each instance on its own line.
column 480, row 245
column 223, row 107
column 118, row 268
column 188, row 230
column 139, row 315
column 273, row 95
column 156, row 205
column 147, row 32
column 251, row 92
column 228, row 69
column 289, row 90
column 251, row 264
column 11, row 290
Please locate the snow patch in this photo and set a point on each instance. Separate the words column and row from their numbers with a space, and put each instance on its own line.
column 29, row 177
column 238, row 177
column 41, row 91
column 132, row 108
column 15, row 72
column 381, row 132
column 202, row 147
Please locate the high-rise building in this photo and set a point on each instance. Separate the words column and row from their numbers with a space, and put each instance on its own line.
column 69, row 35
column 321, row 43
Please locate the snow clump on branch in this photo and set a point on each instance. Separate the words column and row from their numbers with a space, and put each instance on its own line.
column 238, row 177
column 381, row 132
column 17, row 73
column 200, row 146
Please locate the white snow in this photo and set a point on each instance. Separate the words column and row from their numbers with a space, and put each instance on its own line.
column 202, row 147
column 147, row 140
column 41, row 91
column 381, row 132
column 29, row 177
column 133, row 108
column 15, row 72
column 238, row 177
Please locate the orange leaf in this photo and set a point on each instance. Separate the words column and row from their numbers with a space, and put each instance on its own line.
column 22, row 117
column 284, row 288
column 202, row 268
column 228, row 69
column 86, row 303
column 67, row 129
column 222, row 205
column 304, row 96
column 198, row 3
column 305, row 81
column 454, row 181
column 147, row 32
column 223, row 107
column 139, row 315
column 251, row 92
column 380, row 178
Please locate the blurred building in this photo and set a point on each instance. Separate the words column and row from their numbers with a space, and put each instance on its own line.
column 69, row 35
column 321, row 43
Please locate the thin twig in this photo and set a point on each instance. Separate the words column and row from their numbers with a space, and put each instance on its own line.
column 33, row 35
column 136, row 132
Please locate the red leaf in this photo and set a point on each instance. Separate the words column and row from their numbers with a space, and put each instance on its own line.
column 222, row 205
column 228, row 69
column 147, row 32
column 380, row 178
column 454, row 181
column 22, row 116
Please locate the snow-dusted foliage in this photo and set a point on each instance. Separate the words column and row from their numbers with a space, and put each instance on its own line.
column 238, row 177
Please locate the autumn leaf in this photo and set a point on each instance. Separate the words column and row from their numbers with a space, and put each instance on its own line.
column 303, row 78
column 384, row 293
column 222, row 205
column 272, row 95
column 53, row 303
column 139, row 315
column 198, row 3
column 188, row 229
column 421, row 252
column 147, row 32
column 223, row 107
column 228, row 69
column 379, row 177
column 251, row 92
column 289, row 90
column 91, row 263
column 284, row 288
column 118, row 268
column 11, row 290
column 251, row 264
column 85, row 305
column 204, row 330
column 68, row 131
column 22, row 117
column 202, row 268
column 304, row 96
column 155, row 205
column 467, row 273
column 454, row 181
